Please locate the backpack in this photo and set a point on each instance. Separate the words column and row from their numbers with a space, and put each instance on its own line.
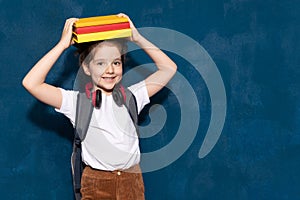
column 84, row 110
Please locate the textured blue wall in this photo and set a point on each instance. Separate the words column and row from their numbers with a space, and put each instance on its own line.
column 255, row 45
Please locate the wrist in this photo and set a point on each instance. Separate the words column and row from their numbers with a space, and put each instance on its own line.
column 60, row 45
column 144, row 43
column 139, row 40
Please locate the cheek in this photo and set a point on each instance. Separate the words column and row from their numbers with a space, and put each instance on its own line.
column 119, row 71
column 96, row 71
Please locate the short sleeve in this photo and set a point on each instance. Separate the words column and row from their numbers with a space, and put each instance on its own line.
column 68, row 106
column 141, row 94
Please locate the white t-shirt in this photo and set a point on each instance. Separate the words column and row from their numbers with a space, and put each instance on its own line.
column 111, row 142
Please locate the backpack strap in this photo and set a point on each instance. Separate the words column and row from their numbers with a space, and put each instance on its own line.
column 84, row 110
column 131, row 105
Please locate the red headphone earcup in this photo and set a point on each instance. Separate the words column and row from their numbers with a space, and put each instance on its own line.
column 95, row 97
column 88, row 89
column 119, row 95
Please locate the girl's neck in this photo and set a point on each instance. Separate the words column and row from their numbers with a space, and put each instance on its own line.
column 104, row 91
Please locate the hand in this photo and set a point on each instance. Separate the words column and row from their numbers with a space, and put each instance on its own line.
column 135, row 34
column 66, row 37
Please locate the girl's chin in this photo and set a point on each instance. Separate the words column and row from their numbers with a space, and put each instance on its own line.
column 107, row 85
column 106, row 88
column 108, row 81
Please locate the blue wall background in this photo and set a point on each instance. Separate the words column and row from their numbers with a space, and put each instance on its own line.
column 255, row 45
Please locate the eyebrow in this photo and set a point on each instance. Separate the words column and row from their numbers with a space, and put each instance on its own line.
column 103, row 59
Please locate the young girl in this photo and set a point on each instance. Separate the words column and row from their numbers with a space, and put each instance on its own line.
column 109, row 150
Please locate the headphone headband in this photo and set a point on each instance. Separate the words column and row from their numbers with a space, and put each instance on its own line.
column 118, row 94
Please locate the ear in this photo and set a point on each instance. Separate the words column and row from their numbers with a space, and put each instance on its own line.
column 86, row 69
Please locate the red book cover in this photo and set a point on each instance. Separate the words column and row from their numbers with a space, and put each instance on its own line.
column 101, row 28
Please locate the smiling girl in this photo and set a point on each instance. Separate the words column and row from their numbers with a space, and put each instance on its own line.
column 109, row 151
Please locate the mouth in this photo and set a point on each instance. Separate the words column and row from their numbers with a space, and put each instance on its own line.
column 108, row 79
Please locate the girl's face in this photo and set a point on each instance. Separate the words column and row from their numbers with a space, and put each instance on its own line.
column 105, row 67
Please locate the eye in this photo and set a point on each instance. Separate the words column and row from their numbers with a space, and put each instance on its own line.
column 117, row 63
column 101, row 63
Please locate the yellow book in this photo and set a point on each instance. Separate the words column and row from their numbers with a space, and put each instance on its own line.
column 99, row 20
column 89, row 37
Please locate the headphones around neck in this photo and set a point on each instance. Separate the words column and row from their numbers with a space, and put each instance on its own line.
column 118, row 94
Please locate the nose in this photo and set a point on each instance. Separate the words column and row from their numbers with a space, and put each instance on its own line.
column 110, row 69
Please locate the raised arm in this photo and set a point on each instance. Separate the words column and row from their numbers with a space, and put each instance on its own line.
column 166, row 68
column 34, row 81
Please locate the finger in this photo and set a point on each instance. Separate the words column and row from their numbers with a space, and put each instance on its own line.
column 72, row 42
column 122, row 15
column 71, row 21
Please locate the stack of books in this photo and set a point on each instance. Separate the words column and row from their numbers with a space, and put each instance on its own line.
column 100, row 28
